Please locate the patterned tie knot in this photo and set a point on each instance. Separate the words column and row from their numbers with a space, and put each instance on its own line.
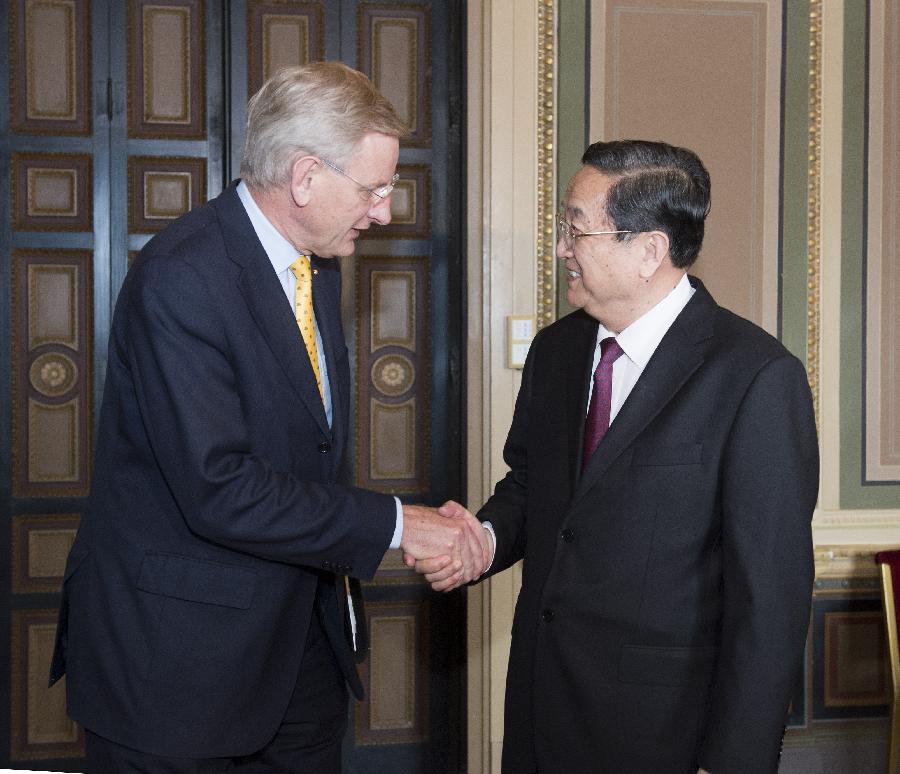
column 300, row 269
column 610, row 350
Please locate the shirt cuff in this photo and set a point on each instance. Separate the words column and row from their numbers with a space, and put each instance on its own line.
column 490, row 528
column 398, row 529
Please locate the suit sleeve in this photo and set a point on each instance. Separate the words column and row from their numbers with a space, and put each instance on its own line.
column 176, row 346
column 769, row 485
column 506, row 508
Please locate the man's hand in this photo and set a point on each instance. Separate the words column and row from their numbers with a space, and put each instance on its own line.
column 426, row 535
column 449, row 571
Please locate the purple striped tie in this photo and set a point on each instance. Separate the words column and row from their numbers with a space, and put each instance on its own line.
column 597, row 422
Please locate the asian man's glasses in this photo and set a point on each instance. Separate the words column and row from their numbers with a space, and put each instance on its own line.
column 568, row 233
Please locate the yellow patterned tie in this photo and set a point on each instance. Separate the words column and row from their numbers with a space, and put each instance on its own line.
column 303, row 311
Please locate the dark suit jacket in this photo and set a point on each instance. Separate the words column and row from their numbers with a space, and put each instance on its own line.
column 666, row 590
column 214, row 505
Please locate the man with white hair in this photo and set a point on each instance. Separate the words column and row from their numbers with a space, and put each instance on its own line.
column 205, row 623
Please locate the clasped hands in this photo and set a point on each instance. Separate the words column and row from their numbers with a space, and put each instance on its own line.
column 447, row 545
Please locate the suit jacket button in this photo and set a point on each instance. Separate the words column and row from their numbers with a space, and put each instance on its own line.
column 547, row 616
column 324, row 447
column 568, row 535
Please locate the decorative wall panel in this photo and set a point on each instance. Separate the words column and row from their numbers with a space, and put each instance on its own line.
column 50, row 63
column 882, row 398
column 635, row 95
column 40, row 728
column 851, row 678
column 410, row 205
column 394, row 50
column 393, row 427
column 166, row 74
column 395, row 323
column 393, row 436
column 282, row 34
column 40, row 546
column 51, row 372
column 855, row 659
column 814, row 199
column 51, row 192
column 395, row 675
column 161, row 189
column 547, row 149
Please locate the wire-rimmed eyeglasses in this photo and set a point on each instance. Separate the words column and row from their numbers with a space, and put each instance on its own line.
column 568, row 233
column 382, row 193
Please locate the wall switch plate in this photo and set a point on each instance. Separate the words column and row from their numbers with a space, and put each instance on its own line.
column 520, row 331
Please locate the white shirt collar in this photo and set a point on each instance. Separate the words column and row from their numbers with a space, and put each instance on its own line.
column 281, row 252
column 640, row 339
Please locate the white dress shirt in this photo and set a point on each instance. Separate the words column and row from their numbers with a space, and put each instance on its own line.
column 639, row 341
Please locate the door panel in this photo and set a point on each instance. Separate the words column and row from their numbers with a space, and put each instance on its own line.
column 407, row 390
column 116, row 130
column 48, row 351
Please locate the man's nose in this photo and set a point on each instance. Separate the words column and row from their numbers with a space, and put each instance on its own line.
column 563, row 249
column 380, row 211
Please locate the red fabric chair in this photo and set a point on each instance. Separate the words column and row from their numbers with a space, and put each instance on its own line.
column 890, row 581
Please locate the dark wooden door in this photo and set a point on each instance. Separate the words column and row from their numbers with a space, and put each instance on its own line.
column 121, row 116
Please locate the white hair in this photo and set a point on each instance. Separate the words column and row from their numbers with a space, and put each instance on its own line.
column 320, row 109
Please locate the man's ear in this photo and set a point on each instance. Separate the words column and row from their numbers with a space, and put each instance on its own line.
column 656, row 251
column 302, row 173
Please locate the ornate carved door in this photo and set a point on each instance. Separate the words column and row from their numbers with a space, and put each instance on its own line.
column 122, row 115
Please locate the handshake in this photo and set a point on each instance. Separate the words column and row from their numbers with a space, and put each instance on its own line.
column 447, row 545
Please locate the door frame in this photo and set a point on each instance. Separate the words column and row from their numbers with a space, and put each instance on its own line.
column 511, row 183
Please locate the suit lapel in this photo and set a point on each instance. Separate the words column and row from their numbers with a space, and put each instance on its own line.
column 265, row 299
column 578, row 377
column 327, row 306
column 680, row 353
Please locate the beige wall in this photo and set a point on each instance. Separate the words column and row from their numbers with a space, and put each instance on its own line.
column 742, row 117
column 724, row 104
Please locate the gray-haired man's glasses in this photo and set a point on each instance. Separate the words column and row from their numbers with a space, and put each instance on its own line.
column 381, row 193
column 568, row 233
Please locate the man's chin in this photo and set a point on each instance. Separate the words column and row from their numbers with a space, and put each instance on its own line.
column 573, row 296
column 343, row 250
column 348, row 246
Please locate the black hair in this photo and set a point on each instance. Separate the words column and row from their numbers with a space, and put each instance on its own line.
column 658, row 187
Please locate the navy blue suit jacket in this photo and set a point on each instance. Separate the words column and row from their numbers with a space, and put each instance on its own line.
column 215, row 505
column 666, row 588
